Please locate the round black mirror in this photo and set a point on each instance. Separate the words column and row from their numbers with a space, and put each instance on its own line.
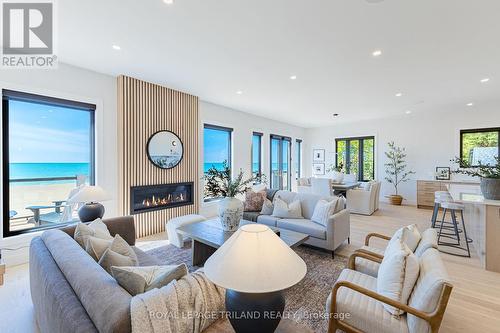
column 165, row 149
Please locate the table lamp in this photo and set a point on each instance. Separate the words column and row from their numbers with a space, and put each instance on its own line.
column 255, row 265
column 90, row 196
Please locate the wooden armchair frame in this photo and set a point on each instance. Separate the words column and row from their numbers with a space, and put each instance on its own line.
column 433, row 318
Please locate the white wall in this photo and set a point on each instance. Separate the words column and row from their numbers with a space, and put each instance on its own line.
column 243, row 125
column 69, row 82
column 430, row 139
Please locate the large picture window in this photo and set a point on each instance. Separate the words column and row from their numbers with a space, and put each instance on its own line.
column 216, row 148
column 480, row 145
column 357, row 156
column 257, row 154
column 48, row 153
column 298, row 158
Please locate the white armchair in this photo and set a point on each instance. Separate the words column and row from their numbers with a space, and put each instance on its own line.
column 322, row 186
column 365, row 202
column 356, row 294
column 304, row 185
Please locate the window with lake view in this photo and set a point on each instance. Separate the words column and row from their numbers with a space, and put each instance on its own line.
column 216, row 147
column 48, row 144
column 257, row 154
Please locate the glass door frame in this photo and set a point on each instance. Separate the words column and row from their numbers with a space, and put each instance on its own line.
column 281, row 140
column 360, row 139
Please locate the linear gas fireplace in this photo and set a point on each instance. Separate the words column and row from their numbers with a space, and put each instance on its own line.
column 156, row 197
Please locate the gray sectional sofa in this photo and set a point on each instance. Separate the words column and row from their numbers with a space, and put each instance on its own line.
column 330, row 237
column 70, row 291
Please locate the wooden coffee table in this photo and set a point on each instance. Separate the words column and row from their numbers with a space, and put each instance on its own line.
column 208, row 236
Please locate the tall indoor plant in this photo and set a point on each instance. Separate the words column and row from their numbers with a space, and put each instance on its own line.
column 489, row 174
column 396, row 171
column 219, row 183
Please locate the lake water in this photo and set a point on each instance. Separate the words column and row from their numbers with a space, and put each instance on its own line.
column 47, row 170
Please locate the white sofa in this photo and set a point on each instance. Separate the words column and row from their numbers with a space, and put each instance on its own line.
column 355, row 293
column 330, row 237
column 365, row 202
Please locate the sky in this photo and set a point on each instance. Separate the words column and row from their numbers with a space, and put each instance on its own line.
column 215, row 145
column 48, row 134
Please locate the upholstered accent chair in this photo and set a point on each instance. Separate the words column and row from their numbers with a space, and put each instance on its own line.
column 362, row 201
column 370, row 267
column 322, row 186
column 355, row 294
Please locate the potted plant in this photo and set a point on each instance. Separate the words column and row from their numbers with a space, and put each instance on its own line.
column 338, row 172
column 489, row 174
column 219, row 183
column 396, row 172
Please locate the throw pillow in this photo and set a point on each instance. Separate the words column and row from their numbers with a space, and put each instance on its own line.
column 397, row 274
column 323, row 210
column 254, row 201
column 111, row 258
column 341, row 202
column 429, row 240
column 410, row 235
column 119, row 253
column 284, row 210
column 97, row 228
column 267, row 207
column 138, row 280
column 97, row 246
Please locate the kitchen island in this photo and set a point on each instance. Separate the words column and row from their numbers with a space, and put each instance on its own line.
column 482, row 219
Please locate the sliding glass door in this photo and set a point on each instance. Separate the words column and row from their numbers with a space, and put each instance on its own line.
column 356, row 156
column 280, row 162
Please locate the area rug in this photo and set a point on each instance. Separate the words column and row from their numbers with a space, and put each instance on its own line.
column 305, row 302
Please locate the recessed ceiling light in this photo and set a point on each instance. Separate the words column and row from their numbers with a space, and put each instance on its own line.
column 335, row 114
column 470, row 104
column 377, row 53
column 399, row 94
column 293, row 77
column 408, row 111
column 239, row 92
column 168, row 2
column 116, row 47
column 486, row 79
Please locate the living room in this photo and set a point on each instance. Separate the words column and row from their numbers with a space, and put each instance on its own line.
column 320, row 108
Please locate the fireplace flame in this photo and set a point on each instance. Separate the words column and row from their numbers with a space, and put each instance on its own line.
column 160, row 201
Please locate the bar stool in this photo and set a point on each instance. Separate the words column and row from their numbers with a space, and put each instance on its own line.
column 454, row 207
column 439, row 196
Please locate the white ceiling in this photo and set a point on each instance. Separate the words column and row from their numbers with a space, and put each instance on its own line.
column 434, row 51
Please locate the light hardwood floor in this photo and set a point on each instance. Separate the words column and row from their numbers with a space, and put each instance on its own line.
column 474, row 305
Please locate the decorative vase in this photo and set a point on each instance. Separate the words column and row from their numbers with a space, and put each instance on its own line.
column 230, row 213
column 490, row 187
column 395, row 199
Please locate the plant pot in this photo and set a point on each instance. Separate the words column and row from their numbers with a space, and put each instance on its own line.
column 230, row 213
column 395, row 199
column 490, row 187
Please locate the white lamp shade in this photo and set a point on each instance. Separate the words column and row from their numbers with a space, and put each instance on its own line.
column 255, row 260
column 90, row 194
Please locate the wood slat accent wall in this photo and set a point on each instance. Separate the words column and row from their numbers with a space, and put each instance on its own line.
column 143, row 109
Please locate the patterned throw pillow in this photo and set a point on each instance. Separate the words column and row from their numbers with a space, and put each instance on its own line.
column 323, row 210
column 254, row 201
column 285, row 210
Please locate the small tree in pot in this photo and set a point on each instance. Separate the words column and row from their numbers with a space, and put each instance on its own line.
column 489, row 174
column 395, row 169
column 219, row 183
